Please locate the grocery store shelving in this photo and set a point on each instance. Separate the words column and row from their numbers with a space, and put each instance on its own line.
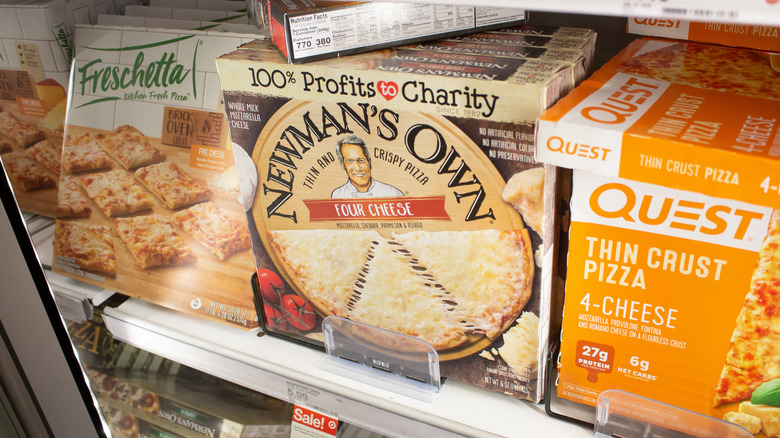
column 294, row 373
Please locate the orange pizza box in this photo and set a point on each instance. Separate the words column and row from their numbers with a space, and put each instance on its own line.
column 728, row 34
column 670, row 277
column 401, row 196
column 310, row 30
column 689, row 116
column 148, row 189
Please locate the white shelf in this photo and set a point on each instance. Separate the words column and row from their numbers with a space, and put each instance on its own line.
column 757, row 12
column 293, row 372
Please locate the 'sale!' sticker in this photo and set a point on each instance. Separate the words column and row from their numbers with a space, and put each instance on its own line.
column 596, row 358
column 309, row 423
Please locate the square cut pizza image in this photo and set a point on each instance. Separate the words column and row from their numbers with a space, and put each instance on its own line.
column 117, row 193
column 81, row 153
column 153, row 241
column 25, row 173
column 217, row 231
column 71, row 201
column 47, row 154
column 130, row 147
column 91, row 247
column 175, row 187
column 20, row 131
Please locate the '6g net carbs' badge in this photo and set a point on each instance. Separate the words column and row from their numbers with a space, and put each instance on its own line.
column 308, row 423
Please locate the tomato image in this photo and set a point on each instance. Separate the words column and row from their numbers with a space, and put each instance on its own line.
column 275, row 318
column 300, row 313
column 271, row 286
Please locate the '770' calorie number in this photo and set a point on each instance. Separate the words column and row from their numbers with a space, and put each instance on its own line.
column 306, row 44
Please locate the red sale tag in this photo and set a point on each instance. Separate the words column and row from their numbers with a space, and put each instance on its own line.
column 308, row 423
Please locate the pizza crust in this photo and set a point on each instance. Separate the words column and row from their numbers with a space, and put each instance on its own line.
column 117, row 193
column 153, row 241
column 71, row 202
column 25, row 173
column 754, row 355
column 130, row 147
column 217, row 231
column 83, row 153
column 20, row 131
column 169, row 182
column 90, row 246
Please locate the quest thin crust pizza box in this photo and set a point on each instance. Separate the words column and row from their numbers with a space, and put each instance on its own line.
column 378, row 195
column 729, row 34
column 671, row 284
column 148, row 189
column 310, row 30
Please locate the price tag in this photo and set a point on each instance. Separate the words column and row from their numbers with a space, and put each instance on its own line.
column 308, row 423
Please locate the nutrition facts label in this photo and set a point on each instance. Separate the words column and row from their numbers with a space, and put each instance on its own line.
column 379, row 23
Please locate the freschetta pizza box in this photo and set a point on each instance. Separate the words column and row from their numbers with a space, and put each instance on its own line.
column 147, row 202
column 200, row 408
column 671, row 284
column 186, row 14
column 169, row 23
column 310, row 30
column 36, row 47
column 727, row 34
column 212, row 5
column 408, row 201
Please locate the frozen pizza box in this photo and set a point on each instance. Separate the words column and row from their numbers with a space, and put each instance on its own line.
column 728, row 34
column 408, row 201
column 147, row 203
column 671, row 291
column 36, row 47
column 538, row 36
column 186, row 14
column 574, row 59
column 310, row 30
column 189, row 401
column 168, row 23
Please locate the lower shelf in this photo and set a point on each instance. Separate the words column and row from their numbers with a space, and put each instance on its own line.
column 294, row 373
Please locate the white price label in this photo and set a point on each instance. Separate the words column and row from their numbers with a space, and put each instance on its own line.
column 309, row 423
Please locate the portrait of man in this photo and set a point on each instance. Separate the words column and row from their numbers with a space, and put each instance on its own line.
column 356, row 161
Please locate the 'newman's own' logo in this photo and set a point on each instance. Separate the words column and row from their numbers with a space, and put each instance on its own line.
column 146, row 78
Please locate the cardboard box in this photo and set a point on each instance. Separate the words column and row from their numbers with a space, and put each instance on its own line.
column 673, row 234
column 307, row 31
column 441, row 148
column 160, row 87
column 729, row 34
column 224, row 411
column 186, row 14
column 168, row 23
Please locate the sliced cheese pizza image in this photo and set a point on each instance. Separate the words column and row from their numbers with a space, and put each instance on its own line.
column 130, row 147
column 754, row 356
column 22, row 132
column 712, row 67
column 437, row 286
column 89, row 246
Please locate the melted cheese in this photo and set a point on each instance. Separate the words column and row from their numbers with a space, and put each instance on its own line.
column 521, row 346
column 153, row 241
column 47, row 154
column 488, row 272
column 90, row 246
column 326, row 263
column 172, row 184
column 392, row 295
column 749, row 422
column 525, row 191
column 220, row 233
column 130, row 147
column 70, row 200
column 23, row 133
column 83, row 153
column 117, row 193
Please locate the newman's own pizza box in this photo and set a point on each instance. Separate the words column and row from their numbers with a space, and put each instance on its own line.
column 310, row 30
column 147, row 204
column 193, row 403
column 729, row 34
column 411, row 233
column 672, row 284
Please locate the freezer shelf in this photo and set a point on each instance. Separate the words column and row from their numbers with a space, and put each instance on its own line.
column 294, row 373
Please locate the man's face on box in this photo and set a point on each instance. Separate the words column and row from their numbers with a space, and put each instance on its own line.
column 357, row 166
